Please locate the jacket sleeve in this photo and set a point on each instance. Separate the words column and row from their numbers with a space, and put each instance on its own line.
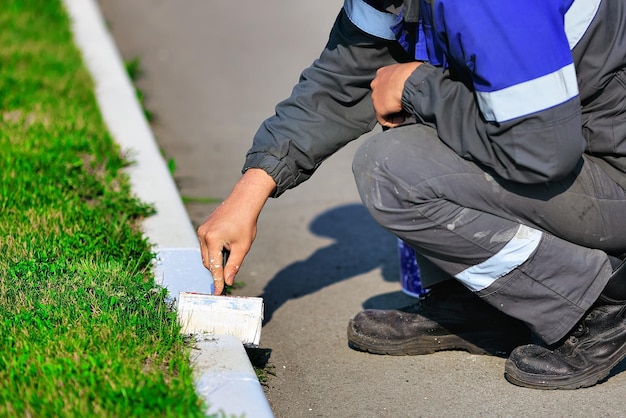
column 509, row 99
column 329, row 106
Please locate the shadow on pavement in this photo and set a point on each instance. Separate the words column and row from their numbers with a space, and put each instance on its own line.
column 391, row 300
column 360, row 246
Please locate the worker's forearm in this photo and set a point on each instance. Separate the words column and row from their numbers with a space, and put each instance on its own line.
column 250, row 193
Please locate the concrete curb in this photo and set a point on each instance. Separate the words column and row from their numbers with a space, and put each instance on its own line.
column 225, row 379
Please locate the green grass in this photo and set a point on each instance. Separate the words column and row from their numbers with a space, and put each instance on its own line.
column 83, row 330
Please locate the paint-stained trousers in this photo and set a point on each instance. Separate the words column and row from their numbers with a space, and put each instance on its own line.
column 536, row 252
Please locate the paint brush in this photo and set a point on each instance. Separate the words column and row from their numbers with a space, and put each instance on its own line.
column 208, row 314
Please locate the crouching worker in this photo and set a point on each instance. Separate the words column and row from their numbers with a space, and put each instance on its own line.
column 503, row 164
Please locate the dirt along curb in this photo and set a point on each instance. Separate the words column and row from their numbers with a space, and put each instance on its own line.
column 224, row 377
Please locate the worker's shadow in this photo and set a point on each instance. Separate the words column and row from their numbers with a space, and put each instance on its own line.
column 360, row 245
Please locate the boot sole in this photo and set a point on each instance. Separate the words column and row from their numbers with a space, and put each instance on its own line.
column 485, row 344
column 584, row 379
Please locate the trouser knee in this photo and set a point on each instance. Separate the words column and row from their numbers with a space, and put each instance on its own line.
column 364, row 158
column 384, row 181
column 401, row 169
column 369, row 169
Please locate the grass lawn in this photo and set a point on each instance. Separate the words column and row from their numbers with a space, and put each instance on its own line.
column 83, row 330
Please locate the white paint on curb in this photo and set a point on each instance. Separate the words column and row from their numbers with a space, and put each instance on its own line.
column 231, row 376
column 225, row 379
column 181, row 270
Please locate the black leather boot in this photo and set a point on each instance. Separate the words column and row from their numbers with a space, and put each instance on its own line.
column 615, row 289
column 450, row 317
column 595, row 345
column 585, row 357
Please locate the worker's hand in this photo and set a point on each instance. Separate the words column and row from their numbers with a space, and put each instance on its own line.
column 232, row 227
column 222, row 232
column 387, row 88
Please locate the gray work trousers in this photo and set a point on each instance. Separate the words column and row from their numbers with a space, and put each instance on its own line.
column 461, row 217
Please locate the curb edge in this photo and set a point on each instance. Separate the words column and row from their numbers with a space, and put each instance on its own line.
column 223, row 374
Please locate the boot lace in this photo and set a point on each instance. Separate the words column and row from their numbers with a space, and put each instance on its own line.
column 580, row 329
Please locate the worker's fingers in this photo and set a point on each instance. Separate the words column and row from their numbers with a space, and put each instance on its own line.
column 393, row 120
column 215, row 264
column 204, row 252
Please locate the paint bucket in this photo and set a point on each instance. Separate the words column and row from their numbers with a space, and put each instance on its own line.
column 409, row 271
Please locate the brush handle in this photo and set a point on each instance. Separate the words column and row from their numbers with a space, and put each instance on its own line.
column 225, row 254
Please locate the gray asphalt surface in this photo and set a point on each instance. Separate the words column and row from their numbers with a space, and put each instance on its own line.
column 212, row 71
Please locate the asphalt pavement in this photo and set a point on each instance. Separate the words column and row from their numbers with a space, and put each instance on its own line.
column 212, row 71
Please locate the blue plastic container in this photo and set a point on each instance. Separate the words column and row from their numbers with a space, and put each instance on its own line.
column 409, row 271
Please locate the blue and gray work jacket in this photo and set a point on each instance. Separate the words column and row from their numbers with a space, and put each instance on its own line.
column 524, row 88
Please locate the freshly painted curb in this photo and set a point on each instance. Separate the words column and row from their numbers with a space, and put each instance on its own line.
column 225, row 379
